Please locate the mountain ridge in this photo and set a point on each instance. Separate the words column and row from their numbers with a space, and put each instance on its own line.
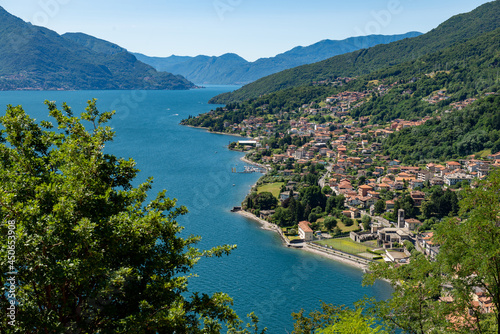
column 231, row 68
column 37, row 58
column 442, row 105
column 457, row 29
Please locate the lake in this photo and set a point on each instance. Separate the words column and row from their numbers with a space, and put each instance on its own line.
column 261, row 275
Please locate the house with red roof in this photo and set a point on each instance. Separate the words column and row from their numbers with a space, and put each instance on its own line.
column 305, row 231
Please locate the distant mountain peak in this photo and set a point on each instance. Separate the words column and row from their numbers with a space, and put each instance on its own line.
column 458, row 29
column 231, row 68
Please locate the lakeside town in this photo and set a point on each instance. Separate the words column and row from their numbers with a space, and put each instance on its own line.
column 328, row 187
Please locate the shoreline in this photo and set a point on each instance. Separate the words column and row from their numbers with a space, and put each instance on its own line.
column 250, row 162
column 214, row 132
column 265, row 225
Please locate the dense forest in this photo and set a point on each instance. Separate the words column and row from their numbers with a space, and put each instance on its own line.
column 454, row 135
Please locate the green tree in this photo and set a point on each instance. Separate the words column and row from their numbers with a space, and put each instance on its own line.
column 414, row 306
column 313, row 197
column 380, row 206
column 335, row 319
column 334, row 202
column 469, row 248
column 440, row 204
column 366, row 220
column 326, row 190
column 330, row 223
column 353, row 322
column 331, row 203
column 92, row 256
column 262, row 201
column 282, row 217
column 408, row 204
column 312, row 217
column 467, row 262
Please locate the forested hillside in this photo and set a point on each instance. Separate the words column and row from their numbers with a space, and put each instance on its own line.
column 36, row 58
column 456, row 30
column 453, row 89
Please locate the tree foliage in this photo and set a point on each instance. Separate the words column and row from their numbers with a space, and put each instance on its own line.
column 438, row 296
column 335, row 319
column 92, row 256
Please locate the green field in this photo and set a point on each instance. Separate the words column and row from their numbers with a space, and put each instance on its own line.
column 273, row 188
column 345, row 245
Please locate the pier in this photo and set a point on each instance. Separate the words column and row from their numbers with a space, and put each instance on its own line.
column 248, row 169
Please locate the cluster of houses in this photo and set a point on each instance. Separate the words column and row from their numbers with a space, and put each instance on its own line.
column 252, row 124
column 351, row 151
column 399, row 124
column 381, row 174
column 437, row 97
column 462, row 104
column 395, row 178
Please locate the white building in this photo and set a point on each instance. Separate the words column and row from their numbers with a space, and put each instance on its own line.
column 454, row 178
column 305, row 231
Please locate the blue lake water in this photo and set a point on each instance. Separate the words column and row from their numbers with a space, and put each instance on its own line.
column 195, row 167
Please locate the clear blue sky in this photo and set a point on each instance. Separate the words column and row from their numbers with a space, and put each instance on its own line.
column 250, row 28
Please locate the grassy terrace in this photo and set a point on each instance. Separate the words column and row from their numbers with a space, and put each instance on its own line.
column 346, row 245
column 273, row 188
column 342, row 226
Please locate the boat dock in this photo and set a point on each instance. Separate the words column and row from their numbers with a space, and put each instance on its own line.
column 248, row 169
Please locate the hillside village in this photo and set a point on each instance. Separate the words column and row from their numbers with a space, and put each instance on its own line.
column 366, row 172
column 383, row 200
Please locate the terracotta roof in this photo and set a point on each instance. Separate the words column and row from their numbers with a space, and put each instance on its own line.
column 304, row 226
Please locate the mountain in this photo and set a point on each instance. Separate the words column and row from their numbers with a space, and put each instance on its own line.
column 213, row 70
column 449, row 99
column 161, row 63
column 232, row 69
column 94, row 44
column 36, row 58
column 457, row 29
